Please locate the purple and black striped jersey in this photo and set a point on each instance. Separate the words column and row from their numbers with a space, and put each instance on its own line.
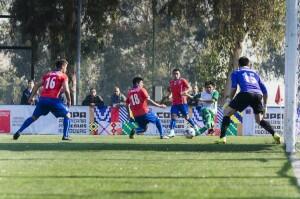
column 248, row 81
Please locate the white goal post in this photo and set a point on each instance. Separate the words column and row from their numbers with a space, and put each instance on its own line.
column 291, row 75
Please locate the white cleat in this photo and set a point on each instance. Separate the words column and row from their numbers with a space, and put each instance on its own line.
column 172, row 133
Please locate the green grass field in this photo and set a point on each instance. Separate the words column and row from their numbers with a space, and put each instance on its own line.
column 44, row 167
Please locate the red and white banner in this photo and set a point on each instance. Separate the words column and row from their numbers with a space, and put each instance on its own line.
column 17, row 114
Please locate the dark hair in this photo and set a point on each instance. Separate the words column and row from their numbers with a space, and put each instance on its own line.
column 59, row 63
column 92, row 89
column 137, row 80
column 207, row 83
column 176, row 70
column 30, row 80
column 243, row 61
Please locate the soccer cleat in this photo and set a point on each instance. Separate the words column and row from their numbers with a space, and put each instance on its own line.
column 164, row 137
column 277, row 138
column 210, row 131
column 131, row 134
column 66, row 138
column 221, row 141
column 16, row 136
column 172, row 133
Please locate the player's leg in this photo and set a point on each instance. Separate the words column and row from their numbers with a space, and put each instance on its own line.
column 211, row 122
column 59, row 109
column 239, row 103
column 40, row 109
column 184, row 109
column 205, row 114
column 259, row 118
column 142, row 126
column 174, row 115
column 151, row 117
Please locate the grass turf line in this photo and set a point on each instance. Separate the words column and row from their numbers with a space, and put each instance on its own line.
column 146, row 167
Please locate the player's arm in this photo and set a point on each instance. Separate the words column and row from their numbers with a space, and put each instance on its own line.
column 264, row 91
column 34, row 91
column 67, row 91
column 156, row 104
column 188, row 88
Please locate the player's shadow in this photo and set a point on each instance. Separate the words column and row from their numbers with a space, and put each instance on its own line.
column 166, row 147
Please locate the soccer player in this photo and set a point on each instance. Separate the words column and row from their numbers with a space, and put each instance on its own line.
column 252, row 93
column 52, row 83
column 178, row 90
column 207, row 106
column 137, row 100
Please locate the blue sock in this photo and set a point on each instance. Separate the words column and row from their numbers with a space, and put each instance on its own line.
column 159, row 127
column 172, row 124
column 27, row 122
column 192, row 123
column 66, row 127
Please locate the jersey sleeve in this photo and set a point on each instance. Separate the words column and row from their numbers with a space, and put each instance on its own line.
column 215, row 95
column 145, row 93
column 233, row 78
column 185, row 83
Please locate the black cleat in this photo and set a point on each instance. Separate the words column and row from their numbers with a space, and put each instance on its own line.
column 132, row 133
column 16, row 136
column 66, row 138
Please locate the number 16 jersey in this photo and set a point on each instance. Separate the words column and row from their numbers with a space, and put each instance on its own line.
column 52, row 84
column 137, row 99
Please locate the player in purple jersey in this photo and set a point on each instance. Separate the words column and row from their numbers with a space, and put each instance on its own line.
column 252, row 93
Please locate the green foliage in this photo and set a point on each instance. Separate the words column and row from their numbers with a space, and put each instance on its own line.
column 203, row 38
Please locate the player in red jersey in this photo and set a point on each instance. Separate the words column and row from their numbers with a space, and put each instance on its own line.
column 52, row 84
column 178, row 90
column 137, row 100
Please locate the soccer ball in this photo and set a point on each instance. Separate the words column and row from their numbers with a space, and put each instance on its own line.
column 190, row 133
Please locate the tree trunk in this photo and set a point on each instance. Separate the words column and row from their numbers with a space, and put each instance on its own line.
column 233, row 64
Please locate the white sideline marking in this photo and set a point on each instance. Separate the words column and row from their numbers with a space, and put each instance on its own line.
column 295, row 161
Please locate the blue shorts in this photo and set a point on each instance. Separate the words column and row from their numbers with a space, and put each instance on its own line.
column 53, row 105
column 143, row 120
column 180, row 108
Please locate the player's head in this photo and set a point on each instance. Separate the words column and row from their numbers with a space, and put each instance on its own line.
column 176, row 73
column 243, row 61
column 93, row 92
column 30, row 84
column 137, row 82
column 61, row 65
column 209, row 86
column 195, row 89
column 117, row 90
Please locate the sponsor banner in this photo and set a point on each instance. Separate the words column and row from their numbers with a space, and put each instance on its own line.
column 5, row 121
column 274, row 115
column 47, row 124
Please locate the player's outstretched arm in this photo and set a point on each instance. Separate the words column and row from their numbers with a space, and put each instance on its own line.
column 34, row 91
column 67, row 92
column 156, row 104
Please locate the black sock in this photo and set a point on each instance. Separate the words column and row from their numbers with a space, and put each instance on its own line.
column 225, row 124
column 267, row 126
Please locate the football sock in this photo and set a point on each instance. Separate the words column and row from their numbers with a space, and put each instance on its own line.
column 201, row 130
column 225, row 124
column 192, row 123
column 172, row 124
column 267, row 126
column 66, row 127
column 159, row 127
column 27, row 122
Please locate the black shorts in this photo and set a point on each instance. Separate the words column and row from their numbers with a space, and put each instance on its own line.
column 242, row 100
